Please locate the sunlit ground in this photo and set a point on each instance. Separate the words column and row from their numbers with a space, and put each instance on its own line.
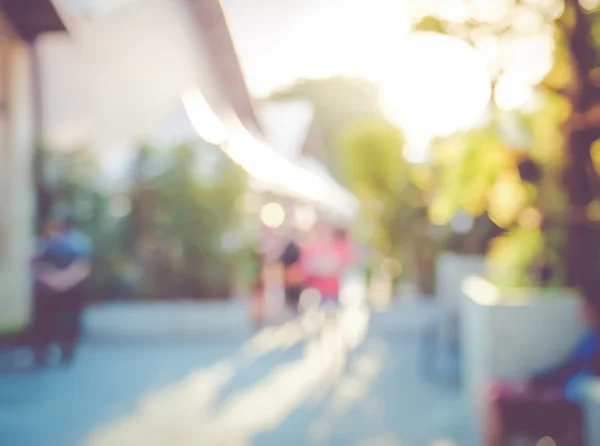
column 324, row 379
column 189, row 411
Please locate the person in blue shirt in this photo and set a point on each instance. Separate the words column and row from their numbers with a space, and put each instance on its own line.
column 549, row 403
column 60, row 266
column 583, row 362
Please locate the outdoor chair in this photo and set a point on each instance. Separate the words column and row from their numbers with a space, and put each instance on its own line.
column 523, row 417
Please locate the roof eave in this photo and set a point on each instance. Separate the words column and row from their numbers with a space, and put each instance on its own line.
column 30, row 18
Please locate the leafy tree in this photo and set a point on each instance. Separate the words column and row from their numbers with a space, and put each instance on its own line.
column 563, row 129
column 177, row 225
column 169, row 244
column 392, row 194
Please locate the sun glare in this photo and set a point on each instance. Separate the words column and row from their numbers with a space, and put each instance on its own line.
column 435, row 86
column 431, row 84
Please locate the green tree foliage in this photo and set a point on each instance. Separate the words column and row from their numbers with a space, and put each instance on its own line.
column 371, row 155
column 169, row 244
column 535, row 207
column 392, row 192
column 481, row 173
column 178, row 223
column 468, row 166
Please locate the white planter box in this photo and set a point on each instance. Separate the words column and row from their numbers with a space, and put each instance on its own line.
column 510, row 336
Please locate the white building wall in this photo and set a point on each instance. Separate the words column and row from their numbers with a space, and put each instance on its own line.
column 117, row 77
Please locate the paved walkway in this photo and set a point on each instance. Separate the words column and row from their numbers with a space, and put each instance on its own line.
column 350, row 381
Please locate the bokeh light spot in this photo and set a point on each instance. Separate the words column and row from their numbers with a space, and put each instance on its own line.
column 530, row 218
column 272, row 215
column 392, row 268
column 120, row 207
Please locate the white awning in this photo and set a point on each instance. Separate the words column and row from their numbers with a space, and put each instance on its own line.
column 269, row 169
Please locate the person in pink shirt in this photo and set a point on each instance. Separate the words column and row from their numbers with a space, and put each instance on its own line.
column 325, row 261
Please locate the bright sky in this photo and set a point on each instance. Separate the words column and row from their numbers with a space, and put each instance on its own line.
column 280, row 41
column 432, row 85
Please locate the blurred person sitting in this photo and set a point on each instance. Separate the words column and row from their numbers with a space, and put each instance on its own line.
column 61, row 264
column 549, row 403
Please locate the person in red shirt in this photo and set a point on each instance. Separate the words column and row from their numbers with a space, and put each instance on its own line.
column 325, row 261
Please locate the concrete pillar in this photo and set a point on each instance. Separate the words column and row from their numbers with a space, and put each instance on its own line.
column 17, row 196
